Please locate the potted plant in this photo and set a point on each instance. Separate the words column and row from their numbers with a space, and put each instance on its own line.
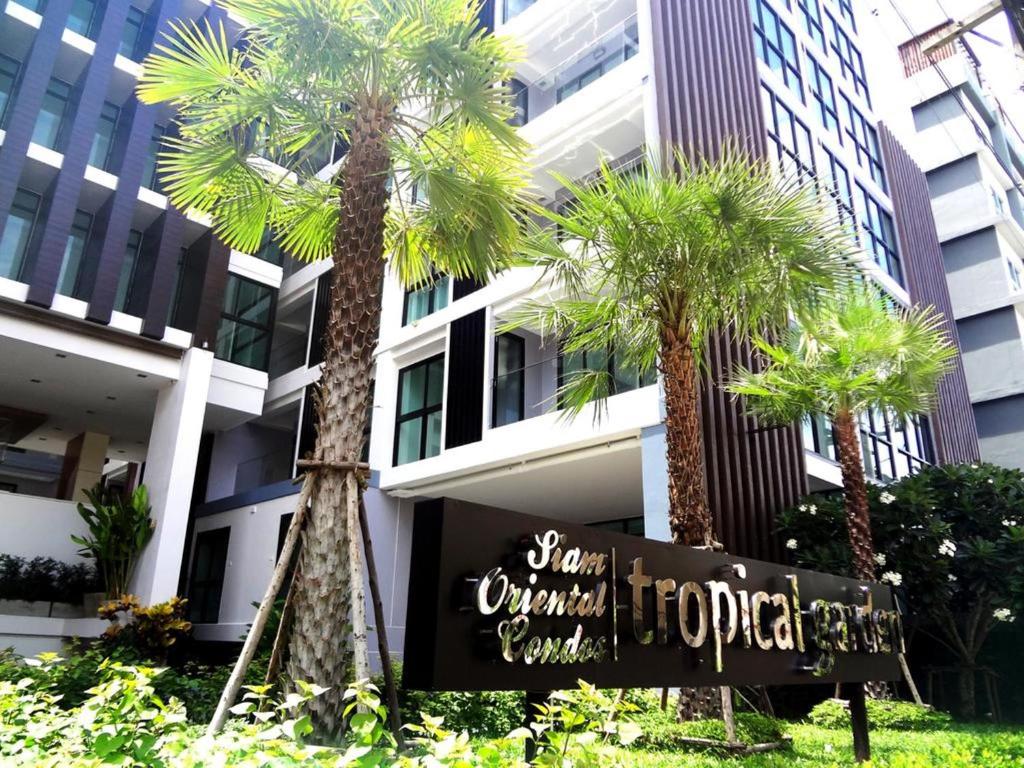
column 119, row 529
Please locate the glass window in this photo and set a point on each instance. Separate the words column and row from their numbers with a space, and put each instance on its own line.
column 131, row 34
column 103, row 141
column 824, row 95
column 207, row 580
column 8, row 80
column 426, row 300
column 776, row 45
column 893, row 448
column 864, row 138
column 512, row 8
column 179, row 279
column 126, row 279
column 788, row 136
column 625, row 50
column 50, row 121
column 81, row 17
column 269, row 250
column 850, row 60
column 839, row 188
column 521, row 102
column 245, row 323
column 508, row 403
column 150, row 177
column 623, row 378
column 420, row 408
column 878, row 234
column 817, row 434
column 1016, row 276
column 811, row 12
column 18, row 233
column 69, row 279
column 846, row 11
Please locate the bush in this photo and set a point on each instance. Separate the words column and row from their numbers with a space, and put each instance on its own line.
column 661, row 731
column 891, row 715
column 43, row 579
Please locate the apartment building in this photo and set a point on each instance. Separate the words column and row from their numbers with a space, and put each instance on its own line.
column 459, row 408
column 973, row 157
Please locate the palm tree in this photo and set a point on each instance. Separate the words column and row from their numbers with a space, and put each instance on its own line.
column 853, row 354
column 411, row 88
column 661, row 259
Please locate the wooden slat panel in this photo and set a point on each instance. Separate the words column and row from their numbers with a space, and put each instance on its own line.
column 953, row 426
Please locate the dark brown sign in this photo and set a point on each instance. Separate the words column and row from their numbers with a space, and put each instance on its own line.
column 504, row 601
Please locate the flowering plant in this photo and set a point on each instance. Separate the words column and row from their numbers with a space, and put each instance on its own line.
column 949, row 539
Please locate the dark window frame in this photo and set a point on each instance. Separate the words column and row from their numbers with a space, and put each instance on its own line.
column 15, row 86
column 109, row 154
column 787, row 69
column 630, row 48
column 432, row 291
column 421, row 414
column 788, row 150
column 62, row 128
column 24, row 258
column 609, row 368
column 268, row 328
column 851, row 61
column 198, row 608
column 823, row 93
column 521, row 371
column 811, row 12
column 864, row 137
column 877, row 226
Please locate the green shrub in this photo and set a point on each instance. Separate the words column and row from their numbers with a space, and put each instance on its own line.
column 662, row 732
column 892, row 715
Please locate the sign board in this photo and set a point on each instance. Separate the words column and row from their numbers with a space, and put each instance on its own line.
column 504, row 601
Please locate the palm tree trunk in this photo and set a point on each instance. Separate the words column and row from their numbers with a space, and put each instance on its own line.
column 855, row 492
column 689, row 515
column 320, row 649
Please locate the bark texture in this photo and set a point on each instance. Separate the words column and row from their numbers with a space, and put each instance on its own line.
column 689, row 514
column 855, row 492
column 320, row 650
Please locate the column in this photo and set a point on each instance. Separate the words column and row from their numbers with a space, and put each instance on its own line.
column 84, row 458
column 655, row 481
column 170, row 473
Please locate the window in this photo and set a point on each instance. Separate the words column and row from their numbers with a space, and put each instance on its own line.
column 207, row 580
column 18, row 233
column 82, row 16
column 131, row 34
column 150, row 178
column 521, row 101
column 1016, row 276
column 245, row 323
column 790, row 138
column 69, row 279
column 508, row 397
column 512, row 8
column 49, row 124
column 622, row 53
column 426, row 300
column 776, row 45
column 8, row 81
column 126, row 280
column 864, row 138
column 634, row 526
column 817, row 434
column 850, row 60
column 103, row 141
column 811, row 12
column 879, row 234
column 846, row 10
column 623, row 378
column 269, row 251
column 824, row 95
column 420, row 406
column 839, row 188
column 893, row 448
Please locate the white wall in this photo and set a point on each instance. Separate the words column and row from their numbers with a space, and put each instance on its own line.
column 32, row 526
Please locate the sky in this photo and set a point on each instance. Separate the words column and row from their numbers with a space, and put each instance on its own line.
column 1000, row 67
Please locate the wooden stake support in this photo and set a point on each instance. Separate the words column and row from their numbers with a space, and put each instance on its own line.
column 859, row 721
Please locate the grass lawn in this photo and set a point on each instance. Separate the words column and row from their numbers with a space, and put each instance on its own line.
column 983, row 746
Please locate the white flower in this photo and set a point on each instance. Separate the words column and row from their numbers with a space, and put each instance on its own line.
column 947, row 547
column 952, row 578
column 791, row 544
column 893, row 578
column 880, row 560
column 828, row 747
column 990, row 481
column 813, row 509
column 886, row 498
column 802, row 507
column 974, row 466
column 1003, row 614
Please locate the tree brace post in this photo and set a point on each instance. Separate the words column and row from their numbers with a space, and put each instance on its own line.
column 859, row 721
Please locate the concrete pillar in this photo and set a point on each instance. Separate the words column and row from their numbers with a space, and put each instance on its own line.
column 170, row 472
column 84, row 458
column 655, row 481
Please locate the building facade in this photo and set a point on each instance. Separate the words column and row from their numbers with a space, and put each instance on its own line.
column 459, row 409
column 973, row 157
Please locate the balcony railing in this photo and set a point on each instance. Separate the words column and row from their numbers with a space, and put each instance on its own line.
column 574, row 74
